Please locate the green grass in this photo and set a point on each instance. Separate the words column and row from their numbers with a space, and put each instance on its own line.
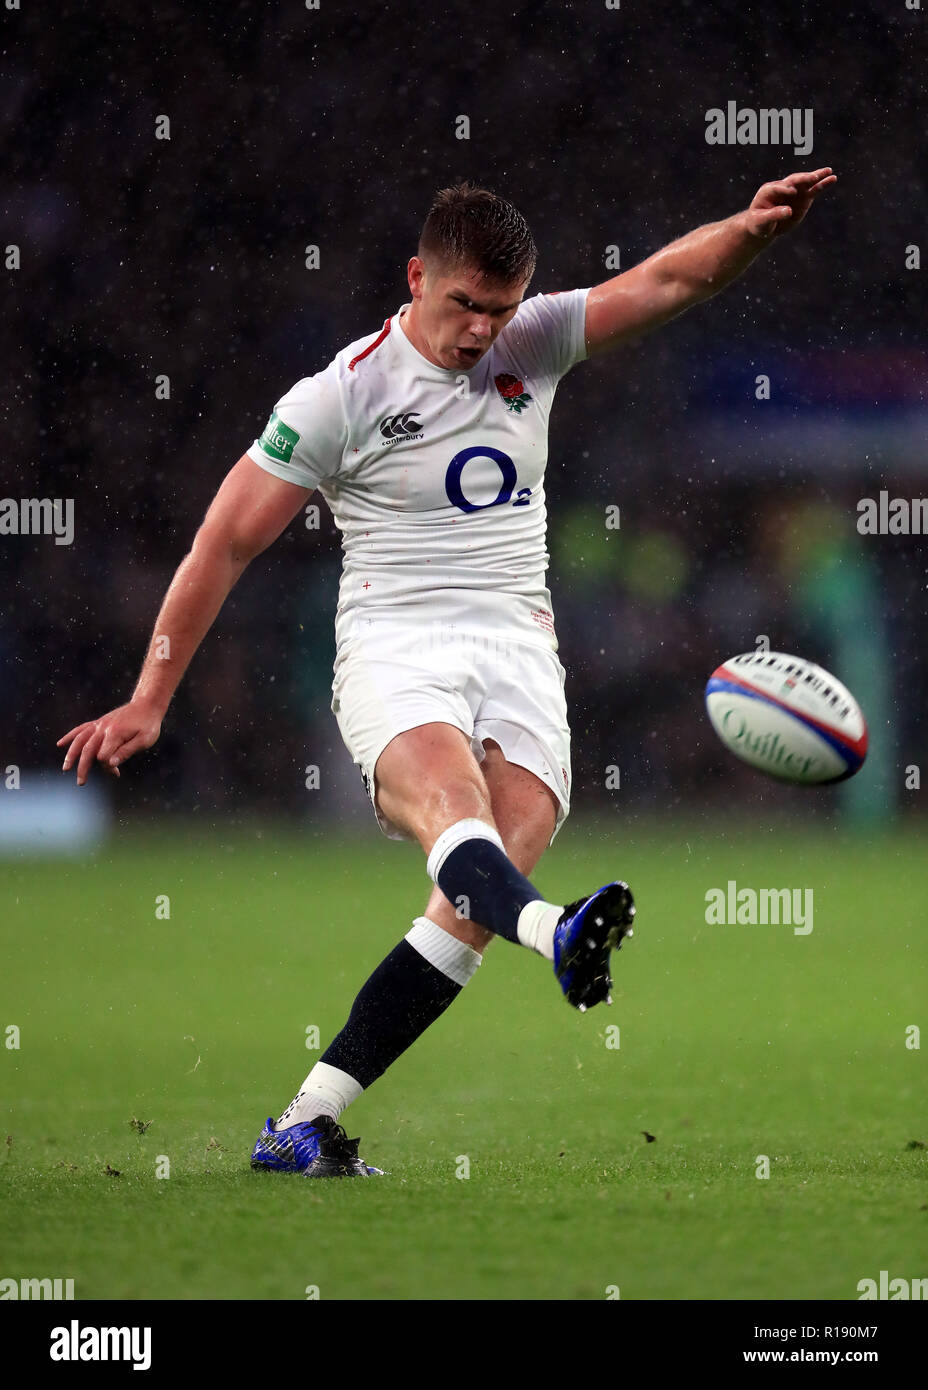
column 736, row 1041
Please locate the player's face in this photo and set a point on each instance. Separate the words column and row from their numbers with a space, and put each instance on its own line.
column 460, row 316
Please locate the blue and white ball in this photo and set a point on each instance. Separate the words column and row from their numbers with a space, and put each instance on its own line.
column 787, row 717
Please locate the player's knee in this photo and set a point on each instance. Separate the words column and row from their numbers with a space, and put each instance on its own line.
column 463, row 797
column 427, row 779
column 435, row 807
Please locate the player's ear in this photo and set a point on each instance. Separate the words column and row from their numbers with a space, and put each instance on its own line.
column 415, row 274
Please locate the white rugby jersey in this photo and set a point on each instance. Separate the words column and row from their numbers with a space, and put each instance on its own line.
column 434, row 475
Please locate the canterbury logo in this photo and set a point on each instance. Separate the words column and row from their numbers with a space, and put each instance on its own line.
column 398, row 426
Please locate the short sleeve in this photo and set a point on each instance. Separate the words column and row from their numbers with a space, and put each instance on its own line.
column 548, row 334
column 304, row 439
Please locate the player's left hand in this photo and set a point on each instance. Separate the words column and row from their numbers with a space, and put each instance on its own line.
column 780, row 206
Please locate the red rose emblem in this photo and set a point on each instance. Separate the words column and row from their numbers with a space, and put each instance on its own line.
column 508, row 386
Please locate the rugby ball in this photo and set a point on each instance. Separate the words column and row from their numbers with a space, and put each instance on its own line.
column 787, row 717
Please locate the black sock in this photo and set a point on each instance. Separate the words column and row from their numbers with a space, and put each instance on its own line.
column 401, row 999
column 477, row 876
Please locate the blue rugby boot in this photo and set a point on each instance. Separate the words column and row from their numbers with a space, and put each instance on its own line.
column 586, row 932
column 319, row 1149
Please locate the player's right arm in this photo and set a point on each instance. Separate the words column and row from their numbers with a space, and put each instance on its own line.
column 248, row 513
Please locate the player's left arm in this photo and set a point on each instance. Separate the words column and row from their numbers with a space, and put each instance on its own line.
column 697, row 266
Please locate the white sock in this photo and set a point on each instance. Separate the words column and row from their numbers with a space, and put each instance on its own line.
column 326, row 1091
column 445, row 952
column 456, row 835
column 535, row 927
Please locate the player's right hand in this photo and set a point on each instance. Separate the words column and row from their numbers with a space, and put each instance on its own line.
column 112, row 739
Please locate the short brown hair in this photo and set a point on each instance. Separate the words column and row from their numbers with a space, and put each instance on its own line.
column 470, row 228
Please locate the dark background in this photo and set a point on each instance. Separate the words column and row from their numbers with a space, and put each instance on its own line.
column 334, row 127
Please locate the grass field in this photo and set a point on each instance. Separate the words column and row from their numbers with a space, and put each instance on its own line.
column 735, row 1041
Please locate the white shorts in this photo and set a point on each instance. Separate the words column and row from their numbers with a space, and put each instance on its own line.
column 396, row 678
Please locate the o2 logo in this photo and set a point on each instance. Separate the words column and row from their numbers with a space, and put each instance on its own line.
column 508, row 480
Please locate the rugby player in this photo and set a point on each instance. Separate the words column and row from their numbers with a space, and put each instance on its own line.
column 428, row 441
